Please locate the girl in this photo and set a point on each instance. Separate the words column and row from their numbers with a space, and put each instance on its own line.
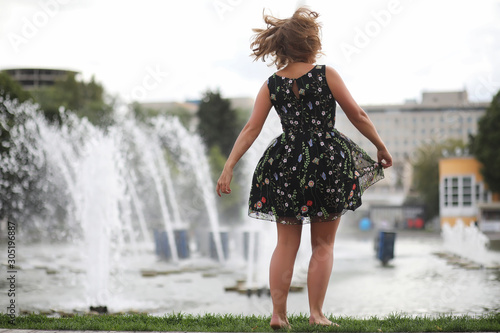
column 311, row 173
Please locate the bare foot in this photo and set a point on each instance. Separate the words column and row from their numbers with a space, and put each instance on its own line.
column 321, row 320
column 278, row 323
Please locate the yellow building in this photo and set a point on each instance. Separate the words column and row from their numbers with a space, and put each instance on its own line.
column 462, row 190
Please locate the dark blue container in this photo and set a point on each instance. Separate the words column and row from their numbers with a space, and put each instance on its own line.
column 385, row 246
column 182, row 242
column 224, row 236
column 162, row 244
column 246, row 245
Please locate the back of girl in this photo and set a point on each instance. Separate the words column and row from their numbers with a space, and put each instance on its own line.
column 311, row 173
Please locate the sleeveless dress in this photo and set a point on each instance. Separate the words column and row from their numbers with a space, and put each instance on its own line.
column 311, row 172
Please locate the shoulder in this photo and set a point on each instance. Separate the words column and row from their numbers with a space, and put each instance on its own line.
column 330, row 72
column 272, row 81
column 272, row 77
column 266, row 88
column 332, row 77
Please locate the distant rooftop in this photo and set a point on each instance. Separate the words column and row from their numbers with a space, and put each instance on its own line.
column 191, row 107
column 445, row 98
column 432, row 101
column 33, row 78
column 243, row 103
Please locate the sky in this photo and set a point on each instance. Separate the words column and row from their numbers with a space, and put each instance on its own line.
column 387, row 51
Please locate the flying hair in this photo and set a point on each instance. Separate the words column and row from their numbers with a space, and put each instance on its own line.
column 294, row 39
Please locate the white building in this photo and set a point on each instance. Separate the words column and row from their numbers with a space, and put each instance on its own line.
column 405, row 127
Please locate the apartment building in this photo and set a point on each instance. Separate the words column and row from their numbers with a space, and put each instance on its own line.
column 406, row 127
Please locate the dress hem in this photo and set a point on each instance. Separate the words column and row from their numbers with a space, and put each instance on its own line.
column 305, row 219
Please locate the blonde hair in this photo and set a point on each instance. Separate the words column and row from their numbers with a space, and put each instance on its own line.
column 288, row 40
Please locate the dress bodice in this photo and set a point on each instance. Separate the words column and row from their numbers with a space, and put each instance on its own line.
column 313, row 110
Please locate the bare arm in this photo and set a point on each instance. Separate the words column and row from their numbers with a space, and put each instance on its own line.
column 246, row 138
column 357, row 115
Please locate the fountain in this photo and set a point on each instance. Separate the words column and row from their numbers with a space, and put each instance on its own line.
column 92, row 198
column 466, row 241
column 107, row 190
column 192, row 155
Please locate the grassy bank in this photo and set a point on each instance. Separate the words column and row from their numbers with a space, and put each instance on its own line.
column 235, row 323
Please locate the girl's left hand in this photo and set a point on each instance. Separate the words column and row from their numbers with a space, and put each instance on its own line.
column 384, row 158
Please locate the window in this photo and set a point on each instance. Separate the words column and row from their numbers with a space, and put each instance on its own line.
column 467, row 191
column 454, row 191
column 446, row 190
column 463, row 191
column 481, row 194
column 485, row 196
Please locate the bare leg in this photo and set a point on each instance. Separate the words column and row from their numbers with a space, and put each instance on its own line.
column 320, row 268
column 281, row 271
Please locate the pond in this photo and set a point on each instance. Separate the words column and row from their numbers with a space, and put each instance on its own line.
column 52, row 277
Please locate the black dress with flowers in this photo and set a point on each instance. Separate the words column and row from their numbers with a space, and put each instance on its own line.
column 311, row 172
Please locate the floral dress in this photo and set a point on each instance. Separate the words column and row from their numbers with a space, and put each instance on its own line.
column 311, row 172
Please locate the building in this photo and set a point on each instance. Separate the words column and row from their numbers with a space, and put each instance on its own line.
column 398, row 217
column 34, row 78
column 405, row 127
column 464, row 195
column 489, row 217
column 189, row 108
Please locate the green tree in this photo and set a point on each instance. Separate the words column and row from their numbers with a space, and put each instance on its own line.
column 219, row 125
column 231, row 207
column 9, row 88
column 142, row 113
column 21, row 167
column 19, row 179
column 86, row 99
column 486, row 144
column 23, row 190
column 218, row 122
column 425, row 180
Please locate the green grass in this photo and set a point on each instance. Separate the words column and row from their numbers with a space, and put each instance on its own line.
column 236, row 323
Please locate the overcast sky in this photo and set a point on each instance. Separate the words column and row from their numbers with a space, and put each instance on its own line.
column 151, row 50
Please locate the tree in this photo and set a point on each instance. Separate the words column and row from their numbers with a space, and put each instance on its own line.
column 16, row 183
column 231, row 207
column 142, row 113
column 9, row 88
column 218, row 122
column 426, row 173
column 21, row 166
column 219, row 125
column 23, row 170
column 486, row 147
column 86, row 99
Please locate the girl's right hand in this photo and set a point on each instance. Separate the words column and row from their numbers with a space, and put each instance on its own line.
column 224, row 182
